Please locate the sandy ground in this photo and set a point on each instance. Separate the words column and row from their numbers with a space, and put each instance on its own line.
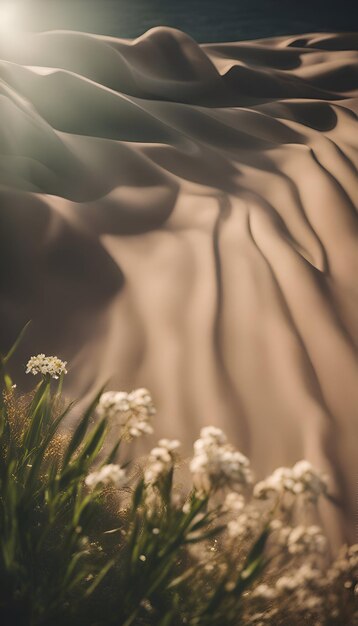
column 182, row 217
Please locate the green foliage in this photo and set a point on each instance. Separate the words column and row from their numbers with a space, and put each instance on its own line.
column 42, row 507
column 58, row 563
column 135, row 556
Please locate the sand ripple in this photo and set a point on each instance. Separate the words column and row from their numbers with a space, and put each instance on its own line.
column 183, row 217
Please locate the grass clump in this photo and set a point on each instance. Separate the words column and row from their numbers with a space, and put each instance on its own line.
column 87, row 540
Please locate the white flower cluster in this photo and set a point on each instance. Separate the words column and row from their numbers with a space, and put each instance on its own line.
column 234, row 502
column 245, row 525
column 306, row 539
column 107, row 475
column 308, row 593
column 161, row 460
column 216, row 464
column 264, row 592
column 132, row 411
column 299, row 539
column 301, row 576
column 46, row 365
column 346, row 564
column 302, row 478
column 303, row 587
column 112, row 404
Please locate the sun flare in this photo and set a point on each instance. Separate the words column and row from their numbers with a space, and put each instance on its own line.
column 9, row 17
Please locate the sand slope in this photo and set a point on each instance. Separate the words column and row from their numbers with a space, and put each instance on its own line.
column 182, row 217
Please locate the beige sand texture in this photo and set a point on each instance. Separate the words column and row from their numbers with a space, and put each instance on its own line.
column 182, row 217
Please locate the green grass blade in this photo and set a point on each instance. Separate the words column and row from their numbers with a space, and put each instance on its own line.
column 81, row 429
column 16, row 344
column 113, row 453
column 36, row 414
column 104, row 571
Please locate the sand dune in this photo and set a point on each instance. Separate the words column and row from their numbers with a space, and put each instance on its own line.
column 182, row 217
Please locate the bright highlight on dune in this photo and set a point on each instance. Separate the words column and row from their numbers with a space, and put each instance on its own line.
column 9, row 17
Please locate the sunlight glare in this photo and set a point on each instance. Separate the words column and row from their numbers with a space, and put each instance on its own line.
column 8, row 17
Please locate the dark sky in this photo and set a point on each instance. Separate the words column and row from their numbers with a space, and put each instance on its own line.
column 205, row 20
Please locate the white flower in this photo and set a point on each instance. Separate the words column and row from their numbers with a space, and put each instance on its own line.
column 302, row 478
column 279, row 481
column 234, row 502
column 216, row 464
column 346, row 564
column 286, row 583
column 246, row 524
column 112, row 403
column 309, row 479
column 264, row 592
column 46, row 365
column 302, row 576
column 353, row 557
column 281, row 532
column 309, row 602
column 161, row 460
column 169, row 444
column 132, row 411
column 299, row 539
column 141, row 400
column 107, row 475
column 152, row 500
column 212, row 434
column 304, row 539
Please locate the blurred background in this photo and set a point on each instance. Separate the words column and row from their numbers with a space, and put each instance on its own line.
column 205, row 20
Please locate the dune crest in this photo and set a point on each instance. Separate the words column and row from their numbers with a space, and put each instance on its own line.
column 183, row 217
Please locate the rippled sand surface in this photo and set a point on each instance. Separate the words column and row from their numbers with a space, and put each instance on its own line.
column 182, row 217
